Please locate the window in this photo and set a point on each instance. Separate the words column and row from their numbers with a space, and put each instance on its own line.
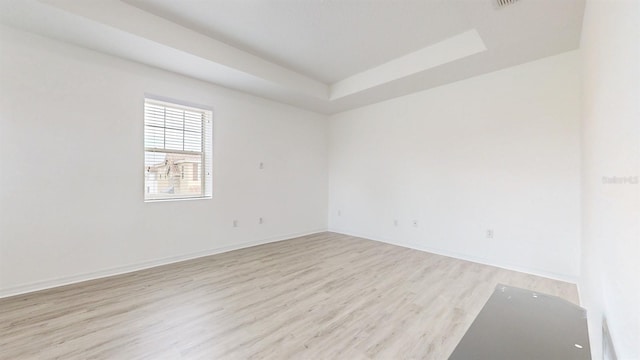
column 177, row 151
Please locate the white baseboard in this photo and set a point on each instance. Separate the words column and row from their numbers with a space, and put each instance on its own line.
column 466, row 257
column 51, row 283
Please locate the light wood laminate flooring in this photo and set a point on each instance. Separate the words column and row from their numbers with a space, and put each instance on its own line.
column 322, row 296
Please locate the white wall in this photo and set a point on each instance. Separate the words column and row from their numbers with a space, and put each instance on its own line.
column 499, row 151
column 71, row 178
column 610, row 285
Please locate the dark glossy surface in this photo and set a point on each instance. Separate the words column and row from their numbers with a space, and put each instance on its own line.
column 522, row 324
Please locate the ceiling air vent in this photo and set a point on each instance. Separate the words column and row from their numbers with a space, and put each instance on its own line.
column 505, row 3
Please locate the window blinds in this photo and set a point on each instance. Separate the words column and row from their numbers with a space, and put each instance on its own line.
column 170, row 128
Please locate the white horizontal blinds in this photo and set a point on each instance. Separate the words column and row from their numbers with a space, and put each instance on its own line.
column 175, row 150
column 169, row 128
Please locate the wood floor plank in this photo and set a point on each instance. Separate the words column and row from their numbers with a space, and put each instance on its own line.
column 322, row 296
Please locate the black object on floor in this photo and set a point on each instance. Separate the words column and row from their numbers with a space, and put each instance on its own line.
column 518, row 324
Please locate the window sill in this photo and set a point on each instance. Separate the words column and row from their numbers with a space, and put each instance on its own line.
column 179, row 199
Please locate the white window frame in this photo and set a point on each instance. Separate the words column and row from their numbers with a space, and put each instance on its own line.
column 206, row 152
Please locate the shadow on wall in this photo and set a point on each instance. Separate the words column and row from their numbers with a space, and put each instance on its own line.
column 608, row 351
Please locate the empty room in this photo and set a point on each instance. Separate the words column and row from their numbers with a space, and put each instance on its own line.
column 320, row 179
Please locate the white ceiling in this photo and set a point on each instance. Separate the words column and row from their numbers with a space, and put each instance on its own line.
column 327, row 40
column 323, row 55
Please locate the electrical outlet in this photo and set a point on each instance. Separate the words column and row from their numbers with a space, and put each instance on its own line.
column 235, row 223
column 261, row 166
column 395, row 222
column 489, row 234
column 415, row 223
column 260, row 221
